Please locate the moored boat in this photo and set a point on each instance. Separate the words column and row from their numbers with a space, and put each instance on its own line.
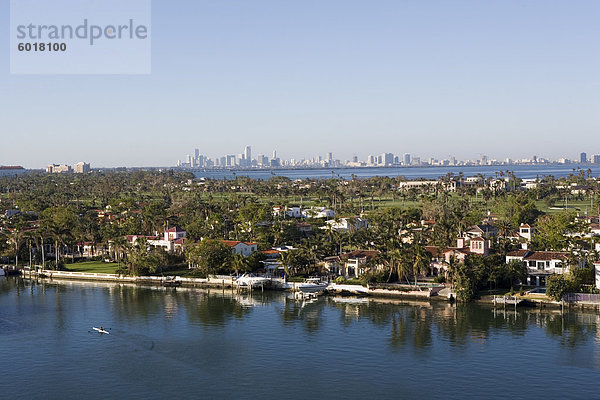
column 312, row 285
column 252, row 280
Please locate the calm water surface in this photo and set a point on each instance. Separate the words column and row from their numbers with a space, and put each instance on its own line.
column 184, row 343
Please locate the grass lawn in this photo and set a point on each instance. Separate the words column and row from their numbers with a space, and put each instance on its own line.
column 98, row 267
column 573, row 206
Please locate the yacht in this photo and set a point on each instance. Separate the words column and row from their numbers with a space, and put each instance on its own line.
column 312, row 285
column 252, row 280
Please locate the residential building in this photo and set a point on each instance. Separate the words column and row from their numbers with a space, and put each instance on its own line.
column 290, row 212
column 318, row 212
column 482, row 230
column 243, row 248
column 346, row 224
column 174, row 234
column 353, row 264
column 442, row 257
column 583, row 158
column 171, row 241
column 526, row 231
column 540, row 264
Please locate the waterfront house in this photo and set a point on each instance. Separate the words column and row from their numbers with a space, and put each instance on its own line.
column 243, row 248
column 442, row 257
column 540, row 264
column 171, row 241
column 353, row 264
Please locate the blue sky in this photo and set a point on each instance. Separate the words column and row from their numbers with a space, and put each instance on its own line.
column 432, row 78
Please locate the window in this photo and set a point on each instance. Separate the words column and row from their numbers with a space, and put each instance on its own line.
column 541, row 265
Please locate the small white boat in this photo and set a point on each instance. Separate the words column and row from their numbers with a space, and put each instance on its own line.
column 2, row 273
column 252, row 280
column 101, row 330
column 312, row 285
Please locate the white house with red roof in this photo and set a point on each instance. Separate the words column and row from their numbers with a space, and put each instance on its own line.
column 174, row 234
column 172, row 240
column 243, row 248
column 540, row 264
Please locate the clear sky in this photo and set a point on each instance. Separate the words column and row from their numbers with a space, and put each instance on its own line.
column 432, row 78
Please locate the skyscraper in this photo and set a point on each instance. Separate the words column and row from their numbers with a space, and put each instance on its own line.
column 583, row 158
column 596, row 159
column 387, row 159
column 196, row 153
column 407, row 159
column 248, row 155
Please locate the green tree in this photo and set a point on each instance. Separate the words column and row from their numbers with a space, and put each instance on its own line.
column 557, row 286
column 210, row 256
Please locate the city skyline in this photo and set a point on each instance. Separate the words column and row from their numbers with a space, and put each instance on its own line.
column 432, row 78
column 262, row 160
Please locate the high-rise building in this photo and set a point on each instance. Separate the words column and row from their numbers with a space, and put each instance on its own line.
column 329, row 157
column 596, row 158
column 58, row 168
column 583, row 158
column 248, row 155
column 81, row 168
column 386, row 159
column 407, row 159
column 196, row 153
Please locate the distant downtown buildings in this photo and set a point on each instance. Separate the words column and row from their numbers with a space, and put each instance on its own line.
column 79, row 168
column 245, row 160
column 11, row 170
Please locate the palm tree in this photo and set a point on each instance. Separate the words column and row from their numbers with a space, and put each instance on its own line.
column 15, row 238
column 239, row 262
column 421, row 261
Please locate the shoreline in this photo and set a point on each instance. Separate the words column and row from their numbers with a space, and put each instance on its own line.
column 227, row 282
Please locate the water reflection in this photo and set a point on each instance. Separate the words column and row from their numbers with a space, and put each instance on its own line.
column 415, row 324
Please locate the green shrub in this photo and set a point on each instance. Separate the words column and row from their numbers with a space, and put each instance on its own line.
column 340, row 279
column 353, row 281
column 197, row 273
